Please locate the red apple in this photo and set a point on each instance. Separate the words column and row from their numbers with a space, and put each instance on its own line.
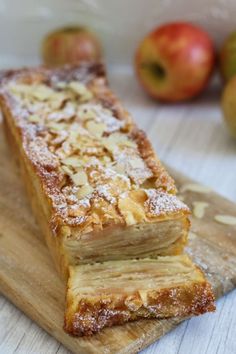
column 175, row 61
column 70, row 45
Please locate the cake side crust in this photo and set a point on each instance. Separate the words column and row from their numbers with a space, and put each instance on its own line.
column 96, row 300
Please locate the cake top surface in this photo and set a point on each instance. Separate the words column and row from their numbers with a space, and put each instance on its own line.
column 96, row 167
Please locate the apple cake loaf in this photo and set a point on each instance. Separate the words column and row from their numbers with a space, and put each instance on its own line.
column 102, row 192
column 99, row 193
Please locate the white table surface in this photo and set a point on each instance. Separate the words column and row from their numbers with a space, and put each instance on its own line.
column 191, row 138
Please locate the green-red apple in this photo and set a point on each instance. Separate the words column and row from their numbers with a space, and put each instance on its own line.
column 228, row 57
column 229, row 105
column 70, row 45
column 175, row 61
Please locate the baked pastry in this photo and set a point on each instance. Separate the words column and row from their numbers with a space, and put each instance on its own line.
column 102, row 198
column 96, row 185
column 105, row 294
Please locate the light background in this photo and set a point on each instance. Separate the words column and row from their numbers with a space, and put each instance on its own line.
column 190, row 137
column 120, row 24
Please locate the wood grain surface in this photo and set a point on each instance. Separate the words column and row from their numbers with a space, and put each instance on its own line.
column 29, row 280
column 192, row 138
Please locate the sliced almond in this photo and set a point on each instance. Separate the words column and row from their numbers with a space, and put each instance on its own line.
column 199, row 209
column 81, row 90
column 192, row 235
column 143, row 295
column 133, row 303
column 132, row 210
column 61, row 85
column 72, row 140
column 85, row 113
column 72, row 161
column 56, row 100
column 136, row 162
column 42, row 92
column 75, row 133
column 96, row 129
column 130, row 143
column 84, row 191
column 194, row 187
column 34, row 119
column 20, row 89
column 225, row 219
column 109, row 144
column 115, row 139
column 56, row 126
column 106, row 159
column 119, row 168
column 129, row 218
column 66, row 170
column 80, row 178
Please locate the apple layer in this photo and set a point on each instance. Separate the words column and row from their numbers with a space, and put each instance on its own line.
column 167, row 237
column 110, row 293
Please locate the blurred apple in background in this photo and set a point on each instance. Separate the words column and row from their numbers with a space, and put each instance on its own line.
column 70, row 45
column 175, row 61
column 229, row 105
column 228, row 57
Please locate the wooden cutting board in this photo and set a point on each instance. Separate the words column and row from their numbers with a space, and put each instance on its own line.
column 28, row 277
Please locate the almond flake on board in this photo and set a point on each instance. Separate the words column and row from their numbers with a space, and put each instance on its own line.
column 194, row 187
column 199, row 209
column 192, row 235
column 181, row 197
column 225, row 219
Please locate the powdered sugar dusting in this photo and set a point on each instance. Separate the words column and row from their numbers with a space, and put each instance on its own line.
column 134, row 166
column 40, row 154
column 160, row 203
column 104, row 192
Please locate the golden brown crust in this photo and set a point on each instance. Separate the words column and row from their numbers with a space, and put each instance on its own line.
column 37, row 199
column 177, row 302
column 163, row 179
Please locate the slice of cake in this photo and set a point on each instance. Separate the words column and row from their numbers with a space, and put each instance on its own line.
column 104, row 294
